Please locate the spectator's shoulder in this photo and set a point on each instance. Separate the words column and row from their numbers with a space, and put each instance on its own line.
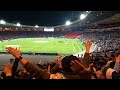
column 115, row 75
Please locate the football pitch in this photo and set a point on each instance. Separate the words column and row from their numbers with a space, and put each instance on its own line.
column 45, row 45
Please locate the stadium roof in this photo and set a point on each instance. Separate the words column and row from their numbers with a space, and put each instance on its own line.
column 113, row 19
column 53, row 18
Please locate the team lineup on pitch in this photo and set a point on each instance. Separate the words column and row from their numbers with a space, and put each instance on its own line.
column 45, row 45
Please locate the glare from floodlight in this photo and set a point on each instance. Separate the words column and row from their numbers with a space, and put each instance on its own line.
column 18, row 24
column 82, row 16
column 87, row 11
column 2, row 22
column 36, row 26
column 68, row 23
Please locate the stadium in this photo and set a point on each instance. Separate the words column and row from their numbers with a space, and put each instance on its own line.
column 44, row 44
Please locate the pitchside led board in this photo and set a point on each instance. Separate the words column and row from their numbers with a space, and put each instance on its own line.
column 14, row 46
column 49, row 29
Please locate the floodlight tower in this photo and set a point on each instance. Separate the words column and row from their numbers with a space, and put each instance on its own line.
column 2, row 22
column 18, row 24
column 36, row 26
column 68, row 23
column 82, row 16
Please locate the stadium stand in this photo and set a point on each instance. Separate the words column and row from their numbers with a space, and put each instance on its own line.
column 103, row 63
column 72, row 35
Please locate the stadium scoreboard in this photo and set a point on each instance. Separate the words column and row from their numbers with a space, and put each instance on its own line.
column 49, row 29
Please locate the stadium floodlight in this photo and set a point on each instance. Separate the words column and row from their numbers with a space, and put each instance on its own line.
column 68, row 23
column 2, row 22
column 82, row 16
column 36, row 26
column 18, row 24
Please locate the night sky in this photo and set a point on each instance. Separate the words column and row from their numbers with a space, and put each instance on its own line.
column 47, row 18
column 42, row 18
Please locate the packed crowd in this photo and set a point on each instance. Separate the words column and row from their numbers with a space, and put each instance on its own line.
column 8, row 35
column 105, row 40
column 103, row 64
column 91, row 66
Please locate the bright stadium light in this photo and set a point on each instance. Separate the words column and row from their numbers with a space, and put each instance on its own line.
column 2, row 22
column 82, row 16
column 18, row 24
column 68, row 23
column 36, row 26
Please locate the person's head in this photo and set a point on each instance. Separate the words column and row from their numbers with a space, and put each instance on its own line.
column 112, row 64
column 108, row 63
column 66, row 63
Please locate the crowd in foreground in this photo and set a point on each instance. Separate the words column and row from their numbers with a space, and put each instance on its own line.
column 91, row 66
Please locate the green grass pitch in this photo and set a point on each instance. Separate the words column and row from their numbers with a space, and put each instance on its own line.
column 46, row 45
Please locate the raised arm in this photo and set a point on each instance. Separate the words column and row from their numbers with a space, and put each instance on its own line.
column 86, row 58
column 38, row 72
column 8, row 71
column 17, row 54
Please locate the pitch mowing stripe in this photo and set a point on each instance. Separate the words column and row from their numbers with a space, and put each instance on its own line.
column 53, row 46
column 76, row 47
column 79, row 47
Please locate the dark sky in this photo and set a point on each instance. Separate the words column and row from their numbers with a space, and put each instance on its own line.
column 49, row 18
column 42, row 18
